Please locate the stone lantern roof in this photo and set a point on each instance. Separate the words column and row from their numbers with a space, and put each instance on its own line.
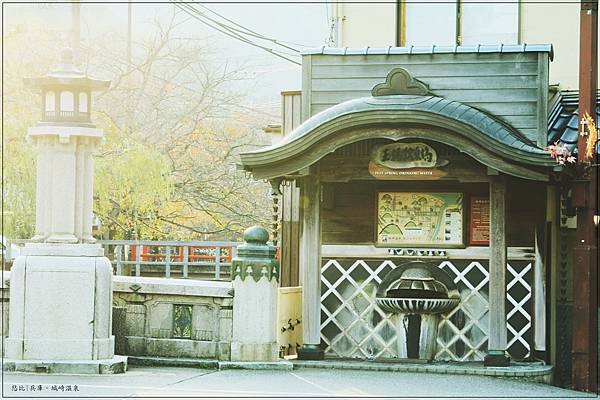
column 66, row 94
column 65, row 73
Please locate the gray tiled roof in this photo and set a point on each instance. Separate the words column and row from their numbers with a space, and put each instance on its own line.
column 563, row 119
column 501, row 48
column 490, row 127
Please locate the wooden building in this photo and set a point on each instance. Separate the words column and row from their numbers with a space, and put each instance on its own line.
column 434, row 154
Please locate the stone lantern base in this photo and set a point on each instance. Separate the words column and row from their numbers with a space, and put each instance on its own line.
column 60, row 311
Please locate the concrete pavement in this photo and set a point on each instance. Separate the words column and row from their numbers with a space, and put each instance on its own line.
column 171, row 382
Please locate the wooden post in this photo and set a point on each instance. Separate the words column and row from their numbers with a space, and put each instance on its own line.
column 585, row 265
column 217, row 262
column 119, row 257
column 138, row 255
column 552, row 210
column 310, row 260
column 496, row 355
column 186, row 258
column 168, row 262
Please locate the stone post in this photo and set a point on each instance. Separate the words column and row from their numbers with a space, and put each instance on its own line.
column 255, row 278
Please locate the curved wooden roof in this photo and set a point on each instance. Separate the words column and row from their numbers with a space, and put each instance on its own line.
column 398, row 117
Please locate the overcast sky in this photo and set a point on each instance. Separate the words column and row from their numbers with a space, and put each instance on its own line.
column 301, row 24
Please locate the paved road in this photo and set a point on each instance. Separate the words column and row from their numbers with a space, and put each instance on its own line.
column 163, row 382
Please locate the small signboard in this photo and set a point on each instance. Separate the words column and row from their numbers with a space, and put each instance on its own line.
column 423, row 219
column 479, row 227
column 383, row 173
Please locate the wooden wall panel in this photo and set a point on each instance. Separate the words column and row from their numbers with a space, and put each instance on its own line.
column 526, row 207
column 506, row 85
column 350, row 218
column 290, row 236
column 291, row 111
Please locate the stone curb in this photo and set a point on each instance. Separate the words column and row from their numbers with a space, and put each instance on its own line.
column 115, row 365
column 173, row 362
column 532, row 373
column 210, row 364
column 257, row 365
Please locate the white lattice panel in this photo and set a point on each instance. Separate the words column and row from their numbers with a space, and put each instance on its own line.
column 463, row 332
column 354, row 326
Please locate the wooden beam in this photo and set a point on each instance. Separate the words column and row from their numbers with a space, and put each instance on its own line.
column 310, row 266
column 346, row 169
column 497, row 284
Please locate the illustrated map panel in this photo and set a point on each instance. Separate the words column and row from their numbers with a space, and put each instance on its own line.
column 405, row 218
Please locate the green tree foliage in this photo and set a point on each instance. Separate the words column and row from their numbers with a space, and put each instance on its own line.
column 21, row 109
column 128, row 202
column 173, row 128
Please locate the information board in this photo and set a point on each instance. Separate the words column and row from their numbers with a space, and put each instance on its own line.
column 479, row 226
column 408, row 218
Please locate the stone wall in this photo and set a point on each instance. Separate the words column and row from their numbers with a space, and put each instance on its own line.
column 172, row 317
column 164, row 317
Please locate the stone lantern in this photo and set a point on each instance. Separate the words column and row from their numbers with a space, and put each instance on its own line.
column 61, row 285
column 66, row 139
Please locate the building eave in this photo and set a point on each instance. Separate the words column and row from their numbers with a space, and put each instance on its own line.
column 433, row 49
column 397, row 118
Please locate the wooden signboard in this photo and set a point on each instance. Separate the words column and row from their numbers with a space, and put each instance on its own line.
column 405, row 155
column 399, row 161
column 479, row 226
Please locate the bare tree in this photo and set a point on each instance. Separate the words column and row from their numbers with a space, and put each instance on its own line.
column 177, row 99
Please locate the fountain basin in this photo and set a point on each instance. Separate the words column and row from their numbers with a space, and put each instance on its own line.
column 416, row 305
column 416, row 293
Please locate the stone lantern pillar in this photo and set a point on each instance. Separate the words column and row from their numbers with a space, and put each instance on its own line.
column 255, row 278
column 61, row 285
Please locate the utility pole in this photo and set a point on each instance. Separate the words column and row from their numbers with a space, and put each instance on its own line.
column 585, row 274
column 129, row 72
column 75, row 28
column 129, row 35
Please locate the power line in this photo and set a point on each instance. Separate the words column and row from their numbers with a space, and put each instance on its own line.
column 232, row 32
column 229, row 31
column 251, row 32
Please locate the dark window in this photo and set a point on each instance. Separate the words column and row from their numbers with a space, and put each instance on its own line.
column 182, row 321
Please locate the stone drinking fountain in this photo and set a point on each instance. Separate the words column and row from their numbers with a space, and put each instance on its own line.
column 416, row 293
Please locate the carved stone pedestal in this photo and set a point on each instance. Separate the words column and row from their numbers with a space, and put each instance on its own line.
column 60, row 311
column 255, row 278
